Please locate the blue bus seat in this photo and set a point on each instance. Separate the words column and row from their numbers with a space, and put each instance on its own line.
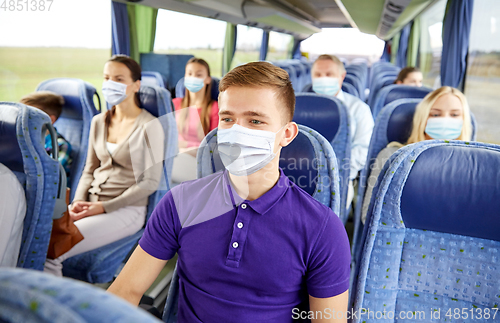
column 171, row 67
column 22, row 150
column 432, row 237
column 152, row 79
column 346, row 87
column 357, row 83
column 100, row 265
column 28, row 296
column 378, row 84
column 74, row 122
column 395, row 92
column 308, row 145
column 180, row 90
column 300, row 71
column 328, row 116
column 292, row 73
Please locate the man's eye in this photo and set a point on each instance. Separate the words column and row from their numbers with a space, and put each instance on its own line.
column 226, row 119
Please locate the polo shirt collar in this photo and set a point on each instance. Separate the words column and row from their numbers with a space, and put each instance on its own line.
column 263, row 203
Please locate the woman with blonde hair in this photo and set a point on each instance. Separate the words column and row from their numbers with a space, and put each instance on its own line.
column 196, row 115
column 442, row 114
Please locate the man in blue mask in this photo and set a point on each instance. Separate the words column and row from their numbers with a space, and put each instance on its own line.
column 252, row 246
column 328, row 74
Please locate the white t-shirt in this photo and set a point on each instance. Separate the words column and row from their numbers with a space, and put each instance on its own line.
column 12, row 212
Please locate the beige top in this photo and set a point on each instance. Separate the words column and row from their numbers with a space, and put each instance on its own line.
column 128, row 175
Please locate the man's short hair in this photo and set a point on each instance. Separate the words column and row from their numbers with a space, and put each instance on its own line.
column 334, row 59
column 264, row 75
column 47, row 101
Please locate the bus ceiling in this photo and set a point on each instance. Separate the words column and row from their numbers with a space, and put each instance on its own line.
column 296, row 17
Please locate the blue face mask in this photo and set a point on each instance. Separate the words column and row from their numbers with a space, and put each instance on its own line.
column 193, row 84
column 326, row 85
column 444, row 128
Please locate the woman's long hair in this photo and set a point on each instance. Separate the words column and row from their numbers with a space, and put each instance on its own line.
column 206, row 106
column 423, row 109
column 135, row 73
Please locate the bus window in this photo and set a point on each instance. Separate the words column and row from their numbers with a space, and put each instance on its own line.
column 179, row 33
column 280, row 46
column 44, row 44
column 482, row 83
column 248, row 43
column 431, row 43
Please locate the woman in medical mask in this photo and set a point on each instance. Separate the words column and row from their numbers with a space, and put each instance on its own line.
column 442, row 114
column 123, row 166
column 196, row 115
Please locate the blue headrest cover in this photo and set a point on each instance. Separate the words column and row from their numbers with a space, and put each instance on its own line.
column 406, row 92
column 455, row 190
column 10, row 152
column 401, row 122
column 72, row 90
column 149, row 99
column 297, row 161
column 319, row 113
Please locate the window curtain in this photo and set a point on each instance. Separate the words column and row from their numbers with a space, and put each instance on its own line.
column 264, row 46
column 386, row 56
column 229, row 47
column 120, row 35
column 456, row 32
column 413, row 42
column 395, row 47
column 296, row 49
column 403, row 46
column 142, row 20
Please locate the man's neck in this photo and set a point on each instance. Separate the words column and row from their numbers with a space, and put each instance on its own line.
column 254, row 186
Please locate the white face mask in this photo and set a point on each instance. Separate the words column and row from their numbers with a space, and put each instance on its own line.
column 326, row 85
column 114, row 92
column 244, row 151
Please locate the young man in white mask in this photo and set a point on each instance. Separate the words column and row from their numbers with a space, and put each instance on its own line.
column 252, row 246
column 328, row 74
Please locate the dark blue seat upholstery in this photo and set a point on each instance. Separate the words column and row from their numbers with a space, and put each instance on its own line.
column 100, row 265
column 180, row 90
column 328, row 116
column 378, row 84
column 28, row 296
column 22, row 138
column 431, row 242
column 152, row 79
column 292, row 73
column 394, row 92
column 357, row 83
column 75, row 119
column 346, row 87
column 171, row 67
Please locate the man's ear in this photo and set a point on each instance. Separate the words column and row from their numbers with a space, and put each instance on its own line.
column 342, row 77
column 291, row 131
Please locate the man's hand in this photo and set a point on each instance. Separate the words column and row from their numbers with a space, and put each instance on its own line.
column 81, row 209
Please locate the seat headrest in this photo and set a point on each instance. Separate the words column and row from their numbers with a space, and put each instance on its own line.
column 395, row 92
column 151, row 100
column 454, row 188
column 297, row 161
column 152, row 79
column 78, row 95
column 10, row 152
column 318, row 112
column 401, row 121
column 180, row 90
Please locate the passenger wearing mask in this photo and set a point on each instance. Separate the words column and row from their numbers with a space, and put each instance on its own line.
column 252, row 246
column 120, row 172
column 196, row 115
column 52, row 104
column 328, row 74
column 12, row 213
column 442, row 114
column 410, row 76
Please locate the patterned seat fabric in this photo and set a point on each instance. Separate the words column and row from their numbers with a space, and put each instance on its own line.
column 74, row 122
column 394, row 92
column 431, row 242
column 22, row 137
column 101, row 265
column 28, row 297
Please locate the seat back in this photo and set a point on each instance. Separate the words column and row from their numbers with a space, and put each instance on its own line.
column 432, row 237
column 152, row 79
column 22, row 138
column 328, row 116
column 309, row 161
column 346, row 87
column 180, row 89
column 378, row 84
column 357, row 83
column 28, row 296
column 292, row 73
column 74, row 122
column 101, row 265
column 394, row 92
column 170, row 66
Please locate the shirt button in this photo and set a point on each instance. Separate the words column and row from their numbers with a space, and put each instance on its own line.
column 235, row 245
column 240, row 225
column 243, row 206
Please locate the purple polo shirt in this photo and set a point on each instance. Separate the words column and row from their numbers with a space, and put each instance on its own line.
column 248, row 261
